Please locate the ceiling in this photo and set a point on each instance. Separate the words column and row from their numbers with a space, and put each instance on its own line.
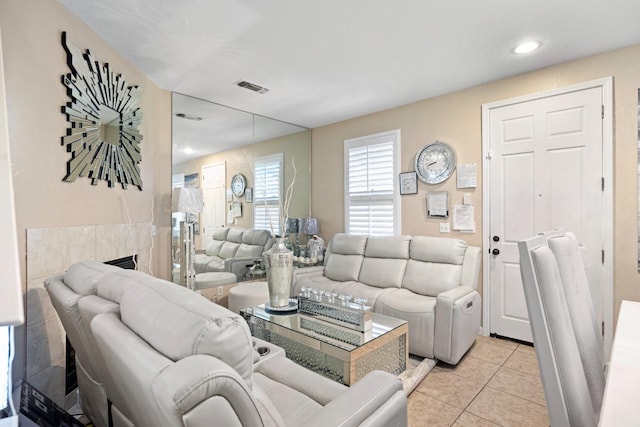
column 331, row 60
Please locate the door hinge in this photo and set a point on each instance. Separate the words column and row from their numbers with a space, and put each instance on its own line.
column 488, row 156
column 603, row 256
column 602, row 110
column 603, row 183
column 603, row 329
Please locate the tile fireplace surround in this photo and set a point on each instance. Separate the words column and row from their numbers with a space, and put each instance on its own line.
column 52, row 251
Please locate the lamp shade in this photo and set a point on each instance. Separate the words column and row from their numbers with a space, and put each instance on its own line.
column 187, row 200
column 292, row 225
column 309, row 226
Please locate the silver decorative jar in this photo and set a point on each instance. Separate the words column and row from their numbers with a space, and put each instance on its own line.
column 279, row 265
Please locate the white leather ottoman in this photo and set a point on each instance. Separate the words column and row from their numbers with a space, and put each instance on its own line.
column 247, row 295
column 213, row 279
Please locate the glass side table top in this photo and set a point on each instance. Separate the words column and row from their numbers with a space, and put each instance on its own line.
column 380, row 325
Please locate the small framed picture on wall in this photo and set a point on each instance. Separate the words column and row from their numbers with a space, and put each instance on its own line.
column 248, row 195
column 408, row 183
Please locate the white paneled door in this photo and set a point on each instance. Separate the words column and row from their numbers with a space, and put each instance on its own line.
column 214, row 196
column 545, row 171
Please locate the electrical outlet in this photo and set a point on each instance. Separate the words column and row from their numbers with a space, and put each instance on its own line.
column 444, row 227
column 220, row 290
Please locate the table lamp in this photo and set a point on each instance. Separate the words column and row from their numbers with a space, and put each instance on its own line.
column 189, row 201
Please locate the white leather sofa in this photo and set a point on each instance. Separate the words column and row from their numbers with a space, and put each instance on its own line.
column 167, row 356
column 428, row 281
column 232, row 250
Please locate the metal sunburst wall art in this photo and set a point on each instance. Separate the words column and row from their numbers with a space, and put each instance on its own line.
column 103, row 116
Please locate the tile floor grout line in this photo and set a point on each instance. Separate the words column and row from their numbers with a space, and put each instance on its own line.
column 486, row 384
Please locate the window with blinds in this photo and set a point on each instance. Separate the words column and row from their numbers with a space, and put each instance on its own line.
column 267, row 192
column 372, row 205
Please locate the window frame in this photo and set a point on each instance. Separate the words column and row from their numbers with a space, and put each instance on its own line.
column 393, row 136
column 258, row 202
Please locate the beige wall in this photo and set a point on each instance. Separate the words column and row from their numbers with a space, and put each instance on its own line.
column 456, row 119
column 34, row 61
column 295, row 147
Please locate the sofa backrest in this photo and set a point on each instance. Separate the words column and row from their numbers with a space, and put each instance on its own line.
column 422, row 264
column 434, row 265
column 219, row 236
column 254, row 243
column 180, row 323
column 385, row 261
column 344, row 257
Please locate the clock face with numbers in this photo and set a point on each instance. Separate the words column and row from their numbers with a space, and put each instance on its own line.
column 435, row 162
column 238, row 184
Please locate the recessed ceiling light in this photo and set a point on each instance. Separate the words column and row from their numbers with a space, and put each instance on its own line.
column 527, row 47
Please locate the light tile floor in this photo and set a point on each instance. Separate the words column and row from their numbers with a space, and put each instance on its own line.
column 495, row 384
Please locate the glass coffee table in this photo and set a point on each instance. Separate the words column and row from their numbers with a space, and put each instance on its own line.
column 384, row 347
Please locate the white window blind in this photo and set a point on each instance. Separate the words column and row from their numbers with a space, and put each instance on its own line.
column 371, row 191
column 267, row 192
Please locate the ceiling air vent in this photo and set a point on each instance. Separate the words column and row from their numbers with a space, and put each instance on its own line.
column 188, row 117
column 252, row 86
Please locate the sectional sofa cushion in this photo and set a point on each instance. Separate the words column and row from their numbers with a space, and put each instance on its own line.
column 83, row 276
column 385, row 261
column 435, row 265
column 235, row 235
column 213, row 248
column 344, row 257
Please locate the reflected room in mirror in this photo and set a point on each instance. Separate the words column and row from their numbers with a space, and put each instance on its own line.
column 218, row 142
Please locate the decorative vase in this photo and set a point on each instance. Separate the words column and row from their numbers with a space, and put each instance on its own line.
column 279, row 265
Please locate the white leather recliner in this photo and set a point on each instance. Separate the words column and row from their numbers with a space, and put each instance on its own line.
column 232, row 250
column 177, row 359
column 428, row 281
column 173, row 358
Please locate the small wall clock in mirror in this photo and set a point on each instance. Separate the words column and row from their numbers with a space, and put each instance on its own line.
column 103, row 116
column 238, row 184
column 435, row 162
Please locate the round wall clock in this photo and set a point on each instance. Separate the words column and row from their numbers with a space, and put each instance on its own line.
column 435, row 162
column 238, row 185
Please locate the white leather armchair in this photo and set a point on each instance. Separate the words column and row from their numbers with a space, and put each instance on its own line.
column 177, row 359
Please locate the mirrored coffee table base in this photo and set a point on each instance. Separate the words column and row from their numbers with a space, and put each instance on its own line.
column 385, row 347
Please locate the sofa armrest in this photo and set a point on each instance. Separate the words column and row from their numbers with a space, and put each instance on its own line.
column 183, row 387
column 301, row 274
column 238, row 266
column 375, row 400
column 457, row 318
column 471, row 267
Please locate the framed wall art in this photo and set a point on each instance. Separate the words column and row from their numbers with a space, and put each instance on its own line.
column 408, row 183
column 103, row 118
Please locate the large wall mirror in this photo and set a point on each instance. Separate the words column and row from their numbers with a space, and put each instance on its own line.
column 212, row 144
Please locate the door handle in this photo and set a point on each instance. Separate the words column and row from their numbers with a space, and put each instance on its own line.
column 495, row 252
